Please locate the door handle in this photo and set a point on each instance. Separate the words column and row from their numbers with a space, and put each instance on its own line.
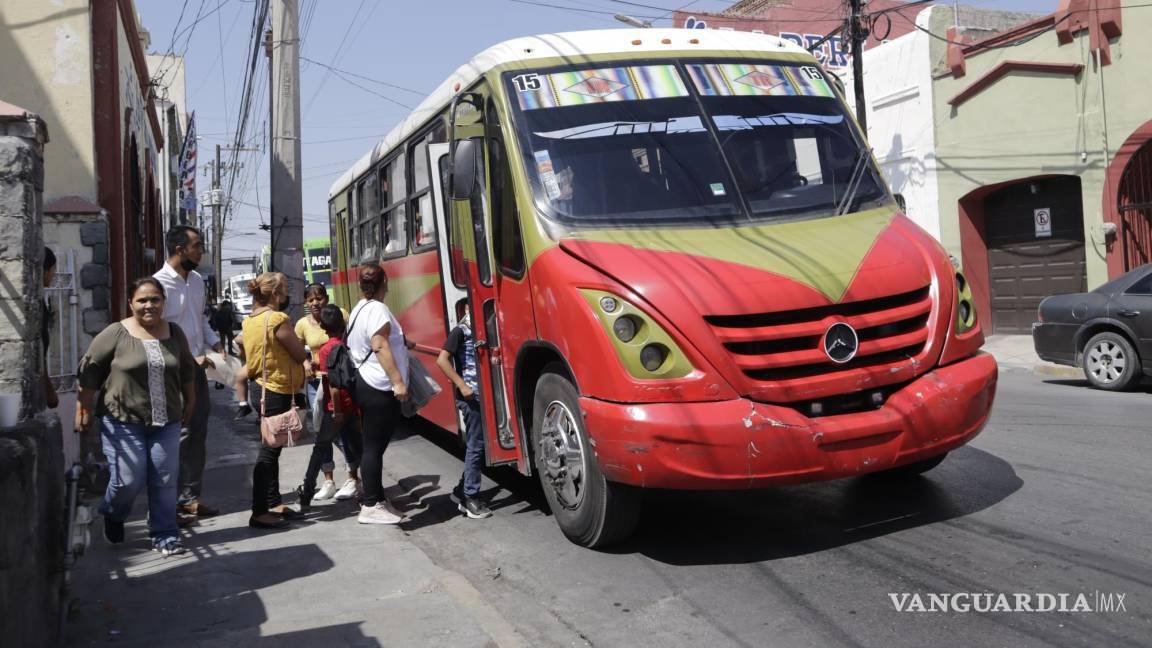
column 1128, row 312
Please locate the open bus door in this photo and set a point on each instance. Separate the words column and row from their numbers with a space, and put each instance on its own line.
column 468, row 241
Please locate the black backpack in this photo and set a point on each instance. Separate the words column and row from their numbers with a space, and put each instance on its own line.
column 341, row 369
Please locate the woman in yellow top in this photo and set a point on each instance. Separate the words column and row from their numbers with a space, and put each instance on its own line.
column 311, row 334
column 274, row 358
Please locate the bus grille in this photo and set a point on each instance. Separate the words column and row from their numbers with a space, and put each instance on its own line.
column 788, row 345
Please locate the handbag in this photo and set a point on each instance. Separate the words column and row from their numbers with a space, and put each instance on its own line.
column 278, row 430
column 422, row 388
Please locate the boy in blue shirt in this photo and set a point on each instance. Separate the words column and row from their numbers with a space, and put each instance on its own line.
column 458, row 362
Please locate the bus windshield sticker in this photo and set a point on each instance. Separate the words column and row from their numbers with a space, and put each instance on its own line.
column 747, row 79
column 718, row 189
column 737, row 122
column 601, row 85
column 672, row 126
column 547, row 173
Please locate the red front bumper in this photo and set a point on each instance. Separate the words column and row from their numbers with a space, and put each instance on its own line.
column 742, row 444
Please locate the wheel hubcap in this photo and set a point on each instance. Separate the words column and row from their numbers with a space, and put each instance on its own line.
column 562, row 455
column 1106, row 362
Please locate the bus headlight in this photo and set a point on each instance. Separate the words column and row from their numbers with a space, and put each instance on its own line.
column 625, row 328
column 965, row 307
column 643, row 346
column 652, row 356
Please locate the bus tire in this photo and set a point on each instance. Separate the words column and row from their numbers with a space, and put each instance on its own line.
column 591, row 511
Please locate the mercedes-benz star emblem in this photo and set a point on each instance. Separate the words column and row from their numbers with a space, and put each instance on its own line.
column 841, row 343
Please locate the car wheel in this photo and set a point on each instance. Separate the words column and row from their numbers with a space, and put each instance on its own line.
column 591, row 511
column 1110, row 362
column 914, row 468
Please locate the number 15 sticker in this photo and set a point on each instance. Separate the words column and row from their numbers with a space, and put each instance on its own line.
column 527, row 82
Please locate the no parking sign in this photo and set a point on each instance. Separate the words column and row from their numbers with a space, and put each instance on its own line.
column 1043, row 219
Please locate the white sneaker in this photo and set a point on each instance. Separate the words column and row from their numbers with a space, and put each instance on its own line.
column 378, row 514
column 326, row 490
column 347, row 491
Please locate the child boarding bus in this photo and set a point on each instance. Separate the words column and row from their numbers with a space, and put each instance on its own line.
column 683, row 267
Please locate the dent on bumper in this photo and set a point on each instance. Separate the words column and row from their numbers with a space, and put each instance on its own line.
column 743, row 444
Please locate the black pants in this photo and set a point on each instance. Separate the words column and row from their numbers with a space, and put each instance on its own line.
column 381, row 412
column 193, row 440
column 266, row 472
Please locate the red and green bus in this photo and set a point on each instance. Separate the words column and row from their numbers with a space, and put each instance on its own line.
column 684, row 271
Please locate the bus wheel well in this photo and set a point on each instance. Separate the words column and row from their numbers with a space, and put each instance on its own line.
column 534, row 362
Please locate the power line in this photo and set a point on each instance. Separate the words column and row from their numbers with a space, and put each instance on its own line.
column 335, row 57
column 361, row 76
column 577, row 9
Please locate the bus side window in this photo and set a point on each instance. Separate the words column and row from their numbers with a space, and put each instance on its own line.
column 395, row 234
column 455, row 250
column 423, row 221
column 355, row 215
column 479, row 209
column 506, row 237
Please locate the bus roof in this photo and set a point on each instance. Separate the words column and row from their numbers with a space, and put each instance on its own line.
column 567, row 44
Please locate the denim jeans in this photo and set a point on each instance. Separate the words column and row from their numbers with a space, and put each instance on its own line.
column 348, row 438
column 140, row 455
column 473, row 446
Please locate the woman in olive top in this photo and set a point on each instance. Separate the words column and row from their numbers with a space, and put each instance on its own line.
column 270, row 348
column 311, row 334
column 144, row 372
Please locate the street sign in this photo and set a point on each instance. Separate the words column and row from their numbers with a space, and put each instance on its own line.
column 1043, row 220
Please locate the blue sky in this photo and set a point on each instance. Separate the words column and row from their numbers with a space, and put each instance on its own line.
column 412, row 46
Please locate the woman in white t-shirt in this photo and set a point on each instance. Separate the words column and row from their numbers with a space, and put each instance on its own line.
column 376, row 343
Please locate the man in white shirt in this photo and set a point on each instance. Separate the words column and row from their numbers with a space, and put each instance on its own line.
column 184, row 307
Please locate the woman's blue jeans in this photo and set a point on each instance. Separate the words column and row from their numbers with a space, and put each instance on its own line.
column 142, row 455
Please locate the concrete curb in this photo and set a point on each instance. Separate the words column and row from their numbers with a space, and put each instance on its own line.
column 1041, row 369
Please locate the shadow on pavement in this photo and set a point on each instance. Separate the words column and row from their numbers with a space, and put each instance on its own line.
column 744, row 527
column 203, row 598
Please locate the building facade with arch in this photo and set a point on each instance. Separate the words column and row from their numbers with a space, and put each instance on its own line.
column 1043, row 156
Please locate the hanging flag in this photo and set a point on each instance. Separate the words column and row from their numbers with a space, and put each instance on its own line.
column 188, row 167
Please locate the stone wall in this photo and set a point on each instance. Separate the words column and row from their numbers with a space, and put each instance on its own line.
column 32, row 510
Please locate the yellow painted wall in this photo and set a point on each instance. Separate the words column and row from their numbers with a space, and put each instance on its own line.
column 46, row 67
column 1029, row 124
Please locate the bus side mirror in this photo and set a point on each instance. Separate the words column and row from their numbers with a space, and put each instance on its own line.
column 464, row 159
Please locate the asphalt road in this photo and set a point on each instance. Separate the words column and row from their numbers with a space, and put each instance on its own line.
column 1053, row 497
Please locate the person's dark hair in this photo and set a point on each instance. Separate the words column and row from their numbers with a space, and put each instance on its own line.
column 178, row 237
column 315, row 290
column 372, row 276
column 145, row 281
column 332, row 320
column 49, row 258
column 461, row 307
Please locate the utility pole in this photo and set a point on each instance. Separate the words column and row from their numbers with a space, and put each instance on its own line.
column 286, row 209
column 857, row 34
column 216, row 238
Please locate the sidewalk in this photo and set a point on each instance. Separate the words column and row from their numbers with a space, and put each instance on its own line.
column 1016, row 353
column 326, row 581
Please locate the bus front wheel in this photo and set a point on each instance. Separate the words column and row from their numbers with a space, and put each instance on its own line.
column 591, row 511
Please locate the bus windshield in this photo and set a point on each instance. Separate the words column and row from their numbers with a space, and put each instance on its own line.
column 701, row 142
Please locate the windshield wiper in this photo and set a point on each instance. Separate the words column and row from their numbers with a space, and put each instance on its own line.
column 849, row 199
